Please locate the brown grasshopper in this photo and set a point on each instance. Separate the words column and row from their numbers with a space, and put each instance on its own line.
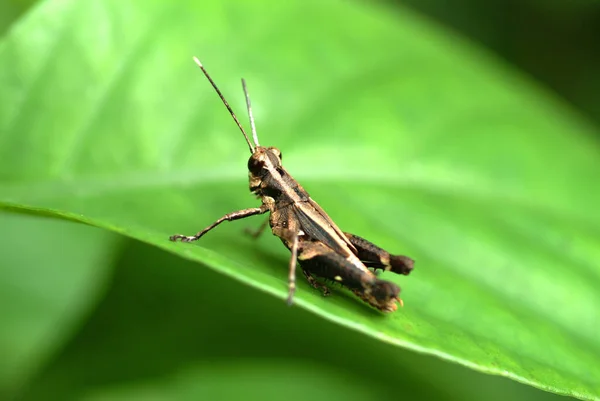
column 315, row 241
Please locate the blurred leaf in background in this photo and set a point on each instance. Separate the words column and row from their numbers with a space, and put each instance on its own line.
column 448, row 157
column 554, row 41
column 52, row 274
column 10, row 10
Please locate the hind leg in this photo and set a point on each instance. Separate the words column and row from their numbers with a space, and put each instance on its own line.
column 373, row 256
column 321, row 261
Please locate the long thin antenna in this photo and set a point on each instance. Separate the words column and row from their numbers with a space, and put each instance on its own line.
column 226, row 104
column 249, row 106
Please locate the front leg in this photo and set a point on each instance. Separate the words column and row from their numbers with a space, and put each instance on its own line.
column 373, row 256
column 240, row 214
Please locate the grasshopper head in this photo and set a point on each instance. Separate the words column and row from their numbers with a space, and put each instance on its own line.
column 264, row 158
column 264, row 161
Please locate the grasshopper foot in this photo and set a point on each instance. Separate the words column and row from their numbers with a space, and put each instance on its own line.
column 315, row 284
column 183, row 238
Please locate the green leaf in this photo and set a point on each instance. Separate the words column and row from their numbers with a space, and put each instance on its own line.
column 45, row 293
column 155, row 327
column 403, row 133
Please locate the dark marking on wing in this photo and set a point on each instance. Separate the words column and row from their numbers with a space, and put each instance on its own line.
column 325, row 234
column 322, row 212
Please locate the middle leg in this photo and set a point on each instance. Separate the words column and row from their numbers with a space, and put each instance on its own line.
column 258, row 231
column 315, row 284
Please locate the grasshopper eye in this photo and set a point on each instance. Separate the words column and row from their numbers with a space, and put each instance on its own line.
column 255, row 165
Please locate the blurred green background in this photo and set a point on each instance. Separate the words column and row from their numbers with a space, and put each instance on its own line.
column 92, row 315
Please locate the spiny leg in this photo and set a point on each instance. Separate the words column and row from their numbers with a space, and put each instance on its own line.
column 292, row 272
column 256, row 233
column 323, row 262
column 315, row 284
column 240, row 214
column 373, row 256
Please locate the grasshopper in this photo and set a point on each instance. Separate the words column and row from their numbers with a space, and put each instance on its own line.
column 315, row 241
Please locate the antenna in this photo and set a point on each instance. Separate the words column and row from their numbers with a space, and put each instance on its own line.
column 229, row 107
column 249, row 106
